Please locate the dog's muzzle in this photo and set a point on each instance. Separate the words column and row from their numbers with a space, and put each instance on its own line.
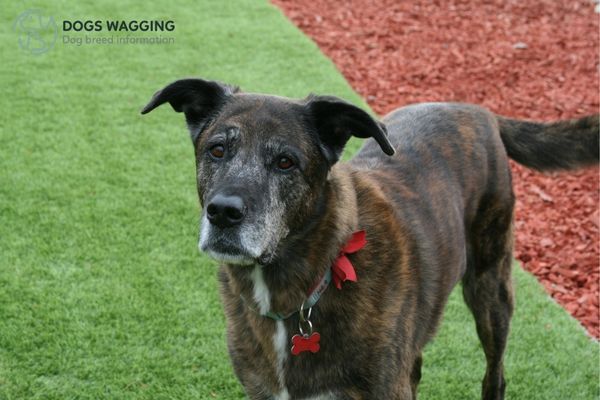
column 222, row 232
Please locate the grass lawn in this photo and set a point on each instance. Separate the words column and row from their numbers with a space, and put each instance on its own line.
column 103, row 294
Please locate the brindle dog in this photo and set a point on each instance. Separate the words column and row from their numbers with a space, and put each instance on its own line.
column 437, row 209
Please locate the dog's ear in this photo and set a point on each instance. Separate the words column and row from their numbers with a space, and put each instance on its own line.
column 196, row 98
column 336, row 121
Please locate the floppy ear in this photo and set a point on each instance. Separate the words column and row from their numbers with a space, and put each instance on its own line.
column 196, row 98
column 336, row 121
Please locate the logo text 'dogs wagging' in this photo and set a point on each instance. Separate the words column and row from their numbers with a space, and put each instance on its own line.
column 118, row 26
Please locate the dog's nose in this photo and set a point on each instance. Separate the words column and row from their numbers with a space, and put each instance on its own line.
column 225, row 211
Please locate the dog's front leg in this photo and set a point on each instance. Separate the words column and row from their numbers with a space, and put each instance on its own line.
column 253, row 385
column 400, row 387
column 404, row 389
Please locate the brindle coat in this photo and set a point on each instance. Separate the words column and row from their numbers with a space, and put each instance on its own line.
column 437, row 212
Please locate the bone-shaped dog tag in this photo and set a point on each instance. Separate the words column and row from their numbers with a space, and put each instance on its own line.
column 302, row 343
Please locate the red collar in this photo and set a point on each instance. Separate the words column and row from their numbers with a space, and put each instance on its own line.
column 341, row 270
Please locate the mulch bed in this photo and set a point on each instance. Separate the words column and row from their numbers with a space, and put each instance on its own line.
column 534, row 60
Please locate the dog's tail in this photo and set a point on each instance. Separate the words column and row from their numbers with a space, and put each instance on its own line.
column 550, row 146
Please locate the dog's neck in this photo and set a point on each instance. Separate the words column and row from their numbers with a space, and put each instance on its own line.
column 303, row 259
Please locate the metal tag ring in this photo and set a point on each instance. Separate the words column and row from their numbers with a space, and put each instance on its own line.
column 308, row 331
column 301, row 313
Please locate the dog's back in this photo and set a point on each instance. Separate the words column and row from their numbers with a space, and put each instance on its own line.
column 451, row 157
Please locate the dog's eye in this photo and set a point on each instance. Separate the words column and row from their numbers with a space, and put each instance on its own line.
column 217, row 151
column 284, row 163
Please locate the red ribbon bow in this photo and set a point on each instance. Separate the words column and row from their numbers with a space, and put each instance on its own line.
column 342, row 267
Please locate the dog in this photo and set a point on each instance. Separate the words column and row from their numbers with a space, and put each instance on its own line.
column 334, row 275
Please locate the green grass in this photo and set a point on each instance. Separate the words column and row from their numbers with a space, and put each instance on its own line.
column 103, row 294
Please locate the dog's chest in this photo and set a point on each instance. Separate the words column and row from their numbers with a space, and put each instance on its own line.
column 280, row 342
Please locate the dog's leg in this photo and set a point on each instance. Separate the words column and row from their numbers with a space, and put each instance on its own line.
column 415, row 376
column 402, row 391
column 487, row 288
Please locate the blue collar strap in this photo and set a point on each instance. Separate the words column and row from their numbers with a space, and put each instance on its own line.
column 312, row 299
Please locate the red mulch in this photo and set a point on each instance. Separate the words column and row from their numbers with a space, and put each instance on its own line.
column 527, row 59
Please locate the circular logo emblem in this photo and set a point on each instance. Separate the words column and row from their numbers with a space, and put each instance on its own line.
column 37, row 33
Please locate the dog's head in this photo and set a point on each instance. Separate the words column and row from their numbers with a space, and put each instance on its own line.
column 262, row 161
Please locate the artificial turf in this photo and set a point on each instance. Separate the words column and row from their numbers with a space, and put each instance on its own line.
column 103, row 294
